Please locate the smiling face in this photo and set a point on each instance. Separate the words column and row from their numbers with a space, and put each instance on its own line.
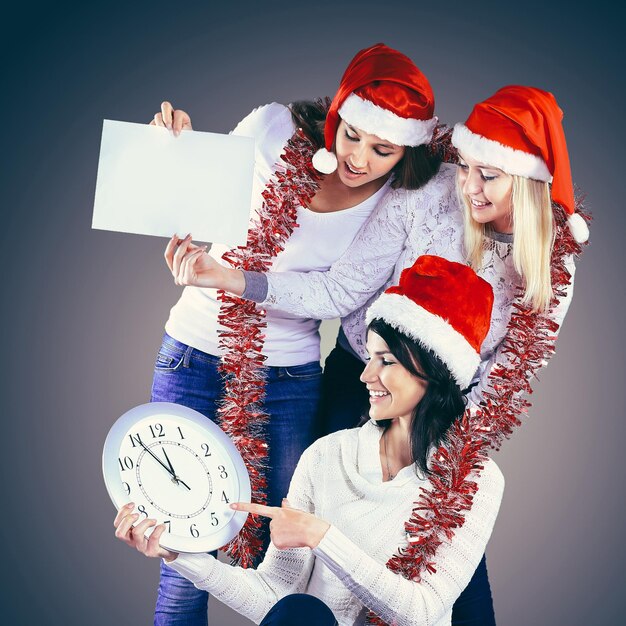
column 488, row 191
column 363, row 158
column 393, row 390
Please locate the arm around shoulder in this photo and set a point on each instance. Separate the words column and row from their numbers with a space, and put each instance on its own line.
column 364, row 267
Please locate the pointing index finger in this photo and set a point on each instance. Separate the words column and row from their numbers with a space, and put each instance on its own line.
column 255, row 509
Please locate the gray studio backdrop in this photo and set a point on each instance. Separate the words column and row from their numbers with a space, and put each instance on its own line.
column 84, row 310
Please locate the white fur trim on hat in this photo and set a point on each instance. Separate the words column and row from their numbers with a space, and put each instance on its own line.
column 324, row 161
column 496, row 154
column 370, row 118
column 429, row 330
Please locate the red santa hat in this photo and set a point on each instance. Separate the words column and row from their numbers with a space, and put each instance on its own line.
column 445, row 307
column 519, row 131
column 383, row 93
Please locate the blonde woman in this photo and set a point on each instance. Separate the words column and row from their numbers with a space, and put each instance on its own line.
column 508, row 189
column 496, row 210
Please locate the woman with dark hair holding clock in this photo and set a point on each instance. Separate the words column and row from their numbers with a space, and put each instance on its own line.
column 333, row 540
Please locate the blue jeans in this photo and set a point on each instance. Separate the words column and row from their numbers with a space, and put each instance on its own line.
column 344, row 402
column 344, row 399
column 190, row 377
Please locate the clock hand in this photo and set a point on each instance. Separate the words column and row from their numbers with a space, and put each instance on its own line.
column 173, row 472
column 167, row 458
column 167, row 469
column 182, row 482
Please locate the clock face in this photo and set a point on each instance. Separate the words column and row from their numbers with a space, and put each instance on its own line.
column 180, row 468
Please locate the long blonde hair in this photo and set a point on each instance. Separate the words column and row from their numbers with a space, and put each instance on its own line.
column 533, row 228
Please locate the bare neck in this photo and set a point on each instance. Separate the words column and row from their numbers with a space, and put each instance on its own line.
column 334, row 196
column 395, row 447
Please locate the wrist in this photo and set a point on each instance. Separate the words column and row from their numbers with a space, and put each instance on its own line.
column 233, row 281
column 316, row 532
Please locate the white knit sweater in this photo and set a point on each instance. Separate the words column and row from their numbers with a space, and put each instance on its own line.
column 339, row 479
column 405, row 225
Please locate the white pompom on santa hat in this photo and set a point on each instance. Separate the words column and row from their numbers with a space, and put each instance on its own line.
column 519, row 130
column 382, row 93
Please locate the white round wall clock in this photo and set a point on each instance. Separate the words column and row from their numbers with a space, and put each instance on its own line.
column 180, row 468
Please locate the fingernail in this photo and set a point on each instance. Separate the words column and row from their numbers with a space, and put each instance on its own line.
column 234, row 505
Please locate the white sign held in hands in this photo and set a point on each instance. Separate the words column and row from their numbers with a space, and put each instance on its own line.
column 153, row 183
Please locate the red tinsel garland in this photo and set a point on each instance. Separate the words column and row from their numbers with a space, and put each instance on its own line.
column 528, row 344
column 241, row 415
column 441, row 146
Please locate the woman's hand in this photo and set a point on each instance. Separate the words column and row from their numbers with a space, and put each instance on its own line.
column 135, row 537
column 289, row 527
column 176, row 120
column 191, row 265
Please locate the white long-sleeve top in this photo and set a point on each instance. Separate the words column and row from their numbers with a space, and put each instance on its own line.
column 405, row 225
column 339, row 479
column 318, row 241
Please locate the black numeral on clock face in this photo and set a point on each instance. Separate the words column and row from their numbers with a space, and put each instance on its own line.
column 135, row 440
column 181, row 432
column 205, row 447
column 224, row 498
column 126, row 487
column 194, row 531
column 142, row 509
column 214, row 520
column 157, row 431
column 223, row 473
column 168, row 525
column 126, row 463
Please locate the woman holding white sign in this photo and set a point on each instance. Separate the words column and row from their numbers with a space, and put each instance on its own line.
column 371, row 138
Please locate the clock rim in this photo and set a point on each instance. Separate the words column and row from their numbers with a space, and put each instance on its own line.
column 110, row 454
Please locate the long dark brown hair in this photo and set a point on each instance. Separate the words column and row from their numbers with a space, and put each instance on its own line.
column 443, row 401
